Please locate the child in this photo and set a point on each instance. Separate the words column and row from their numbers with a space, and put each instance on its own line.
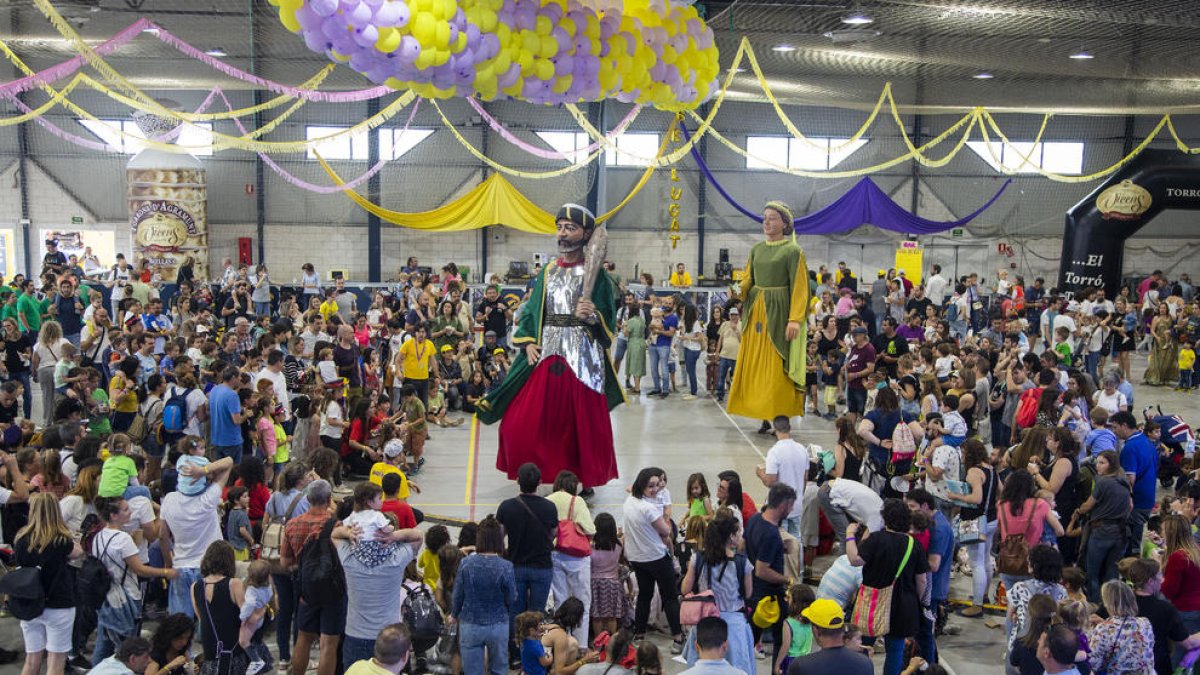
column 435, row 538
column 414, row 428
column 944, row 363
column 648, row 660
column 327, row 369
column 254, row 609
column 831, row 369
column 1048, row 536
column 954, row 427
column 853, row 640
column 237, row 523
column 437, row 406
column 1187, row 359
column 1100, row 438
column 1062, row 345
column 393, row 504
column 118, row 477
column 797, row 631
column 1075, row 581
column 812, row 377
column 370, row 521
column 1076, row 615
column 1153, row 543
column 608, row 593
column 699, row 499
column 66, row 363
column 534, row 657
column 192, row 453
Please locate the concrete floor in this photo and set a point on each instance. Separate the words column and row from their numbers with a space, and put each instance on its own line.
column 460, row 482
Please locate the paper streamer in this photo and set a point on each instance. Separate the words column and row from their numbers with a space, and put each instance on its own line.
column 551, row 154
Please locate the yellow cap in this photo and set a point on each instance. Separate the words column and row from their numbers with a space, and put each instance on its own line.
column 447, row 348
column 498, row 350
column 825, row 613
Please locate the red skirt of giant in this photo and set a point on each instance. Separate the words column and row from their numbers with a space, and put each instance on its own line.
column 556, row 422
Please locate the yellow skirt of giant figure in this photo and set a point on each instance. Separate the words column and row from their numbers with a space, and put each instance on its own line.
column 761, row 386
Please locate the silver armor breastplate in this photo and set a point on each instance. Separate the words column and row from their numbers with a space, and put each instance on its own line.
column 575, row 344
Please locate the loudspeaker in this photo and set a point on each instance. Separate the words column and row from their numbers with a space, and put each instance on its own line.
column 723, row 256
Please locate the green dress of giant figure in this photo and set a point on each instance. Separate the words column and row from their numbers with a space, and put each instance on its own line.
column 553, row 406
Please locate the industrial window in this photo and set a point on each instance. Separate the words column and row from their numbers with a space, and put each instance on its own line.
column 196, row 136
column 815, row 154
column 1056, row 157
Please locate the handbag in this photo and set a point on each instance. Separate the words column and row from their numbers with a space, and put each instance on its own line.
column 873, row 606
column 1013, row 557
column 697, row 606
column 766, row 612
column 972, row 530
column 570, row 538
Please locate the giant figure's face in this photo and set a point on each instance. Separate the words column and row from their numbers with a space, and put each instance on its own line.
column 571, row 236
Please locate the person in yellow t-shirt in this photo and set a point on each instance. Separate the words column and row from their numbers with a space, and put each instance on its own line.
column 417, row 360
column 393, row 456
column 329, row 307
column 1187, row 361
column 680, row 277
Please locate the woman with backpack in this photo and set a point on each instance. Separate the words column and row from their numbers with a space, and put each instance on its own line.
column 46, row 542
column 116, row 551
column 1109, row 506
column 1021, row 517
column 978, row 518
column 286, row 503
column 711, row 570
column 216, row 600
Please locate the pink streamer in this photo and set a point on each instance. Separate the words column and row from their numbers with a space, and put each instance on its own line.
column 70, row 66
column 122, row 38
column 550, row 154
column 216, row 91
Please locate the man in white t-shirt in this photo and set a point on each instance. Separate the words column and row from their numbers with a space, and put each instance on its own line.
column 197, row 406
column 787, row 463
column 843, row 500
column 192, row 523
column 273, row 372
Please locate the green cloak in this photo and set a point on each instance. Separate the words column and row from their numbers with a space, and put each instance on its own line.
column 528, row 330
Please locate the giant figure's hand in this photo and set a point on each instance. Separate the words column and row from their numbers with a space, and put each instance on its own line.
column 792, row 330
column 533, row 353
column 585, row 310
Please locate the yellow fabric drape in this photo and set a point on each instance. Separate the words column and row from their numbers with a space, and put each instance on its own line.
column 493, row 202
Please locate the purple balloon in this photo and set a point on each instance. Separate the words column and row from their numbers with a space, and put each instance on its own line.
column 527, row 17
column 563, row 64
column 409, row 49
column 465, row 75
column 553, row 12
column 592, row 64
column 390, row 14
column 323, row 8
column 360, row 16
column 378, row 74
column 582, row 45
column 491, row 46
column 658, row 71
column 509, row 77
column 308, row 19
column 316, row 41
column 366, row 36
column 360, row 61
column 334, row 27
column 560, row 36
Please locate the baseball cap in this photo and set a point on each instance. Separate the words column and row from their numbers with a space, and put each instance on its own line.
column 734, row 310
column 825, row 613
column 490, row 333
column 858, row 330
column 447, row 348
column 393, row 448
column 498, row 350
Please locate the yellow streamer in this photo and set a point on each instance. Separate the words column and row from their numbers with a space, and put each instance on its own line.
column 45, row 107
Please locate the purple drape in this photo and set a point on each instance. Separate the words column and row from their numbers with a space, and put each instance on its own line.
column 864, row 204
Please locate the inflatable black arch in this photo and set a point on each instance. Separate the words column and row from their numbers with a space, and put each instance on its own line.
column 1094, row 239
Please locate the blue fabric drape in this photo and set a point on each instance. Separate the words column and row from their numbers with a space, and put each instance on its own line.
column 864, row 204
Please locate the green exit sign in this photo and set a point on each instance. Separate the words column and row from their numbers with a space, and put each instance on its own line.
column 956, row 233
column 76, row 220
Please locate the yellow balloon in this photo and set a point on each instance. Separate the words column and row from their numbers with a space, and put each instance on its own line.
column 548, row 47
column 422, row 5
column 441, row 56
column 438, row 10
column 459, row 44
column 669, row 55
column 530, row 42
column 488, row 21
column 526, row 62
column 485, row 71
column 595, row 46
column 288, row 18
column 496, row 5
column 502, row 62
column 389, row 40
column 441, row 35
column 503, row 34
column 450, row 8
column 273, row 3
column 424, row 59
column 544, row 69
column 424, row 27
column 616, row 47
column 568, row 25
column 592, row 29
column 397, row 84
column 562, row 84
column 515, row 90
column 544, row 26
column 340, row 57
column 291, row 4
column 671, row 27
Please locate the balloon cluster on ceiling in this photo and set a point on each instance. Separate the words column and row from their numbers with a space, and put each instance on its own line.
column 656, row 52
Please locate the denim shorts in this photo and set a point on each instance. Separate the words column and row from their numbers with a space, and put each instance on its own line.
column 179, row 591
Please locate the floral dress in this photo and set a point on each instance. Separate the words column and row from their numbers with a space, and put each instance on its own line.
column 1122, row 645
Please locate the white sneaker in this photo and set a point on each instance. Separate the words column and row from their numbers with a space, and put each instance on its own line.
column 255, row 666
column 688, row 397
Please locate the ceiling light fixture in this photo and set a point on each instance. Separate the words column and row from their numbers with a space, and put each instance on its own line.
column 737, row 71
column 783, row 48
column 857, row 18
column 1082, row 55
column 983, row 76
column 152, row 30
column 217, row 52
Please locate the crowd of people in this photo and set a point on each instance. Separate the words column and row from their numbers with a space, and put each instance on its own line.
column 230, row 464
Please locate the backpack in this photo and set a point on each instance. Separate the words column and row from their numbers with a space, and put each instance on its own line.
column 322, row 580
column 1027, row 408
column 26, row 595
column 272, row 537
column 175, row 412
column 421, row 614
column 93, row 580
column 951, row 311
column 904, row 446
column 1013, row 557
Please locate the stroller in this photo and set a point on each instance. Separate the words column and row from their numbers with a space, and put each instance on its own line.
column 1176, row 444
